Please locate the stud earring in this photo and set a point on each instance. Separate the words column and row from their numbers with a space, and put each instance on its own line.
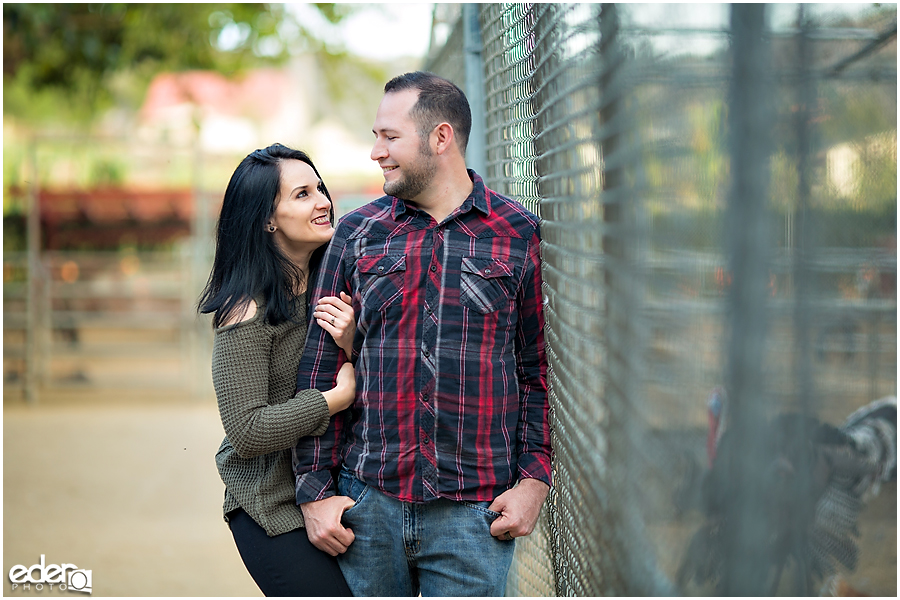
column 272, row 228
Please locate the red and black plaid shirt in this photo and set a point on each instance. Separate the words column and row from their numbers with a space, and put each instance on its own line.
column 451, row 397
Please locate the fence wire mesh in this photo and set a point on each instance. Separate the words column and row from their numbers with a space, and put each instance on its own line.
column 717, row 189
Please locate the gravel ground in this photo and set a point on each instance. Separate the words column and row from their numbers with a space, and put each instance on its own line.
column 127, row 491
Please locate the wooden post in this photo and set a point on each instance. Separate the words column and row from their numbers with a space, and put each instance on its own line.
column 33, row 298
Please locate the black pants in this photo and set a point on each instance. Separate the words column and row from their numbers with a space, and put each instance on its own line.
column 287, row 564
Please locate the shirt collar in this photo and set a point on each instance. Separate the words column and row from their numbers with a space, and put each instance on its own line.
column 478, row 199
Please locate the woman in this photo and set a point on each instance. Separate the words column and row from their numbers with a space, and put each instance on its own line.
column 276, row 218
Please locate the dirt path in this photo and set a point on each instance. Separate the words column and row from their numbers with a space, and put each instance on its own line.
column 128, row 492
column 127, row 488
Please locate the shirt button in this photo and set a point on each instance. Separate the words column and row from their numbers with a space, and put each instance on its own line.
column 426, row 353
column 380, row 269
column 425, row 438
column 487, row 271
column 428, row 311
column 433, row 268
column 425, row 396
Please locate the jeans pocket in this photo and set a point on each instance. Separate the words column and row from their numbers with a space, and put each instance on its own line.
column 353, row 488
column 481, row 507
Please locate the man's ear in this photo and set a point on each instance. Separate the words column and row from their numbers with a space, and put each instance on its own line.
column 443, row 138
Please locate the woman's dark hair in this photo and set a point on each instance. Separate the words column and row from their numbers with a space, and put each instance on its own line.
column 248, row 263
column 439, row 100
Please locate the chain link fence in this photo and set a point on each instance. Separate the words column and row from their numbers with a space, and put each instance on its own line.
column 717, row 190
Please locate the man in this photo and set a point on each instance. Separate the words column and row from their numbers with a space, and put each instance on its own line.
column 446, row 451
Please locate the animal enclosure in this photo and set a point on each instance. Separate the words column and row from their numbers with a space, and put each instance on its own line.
column 717, row 189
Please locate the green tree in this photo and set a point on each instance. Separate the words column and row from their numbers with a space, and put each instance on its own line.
column 65, row 61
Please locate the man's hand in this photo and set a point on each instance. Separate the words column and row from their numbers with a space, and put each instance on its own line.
column 323, row 524
column 519, row 509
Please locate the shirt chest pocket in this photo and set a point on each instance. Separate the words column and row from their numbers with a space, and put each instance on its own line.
column 486, row 284
column 381, row 280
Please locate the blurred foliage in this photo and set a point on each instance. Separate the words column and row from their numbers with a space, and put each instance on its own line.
column 72, row 70
column 107, row 172
column 706, row 128
column 334, row 12
column 853, row 129
column 14, row 233
column 64, row 62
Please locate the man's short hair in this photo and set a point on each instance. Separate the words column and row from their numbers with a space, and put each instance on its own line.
column 439, row 100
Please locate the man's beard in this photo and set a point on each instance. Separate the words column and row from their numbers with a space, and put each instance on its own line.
column 416, row 176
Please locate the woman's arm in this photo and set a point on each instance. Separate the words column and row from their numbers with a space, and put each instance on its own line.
column 335, row 315
column 342, row 395
column 255, row 423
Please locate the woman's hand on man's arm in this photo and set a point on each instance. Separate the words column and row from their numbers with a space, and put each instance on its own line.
column 335, row 315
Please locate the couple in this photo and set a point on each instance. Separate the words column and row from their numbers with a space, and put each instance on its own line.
column 434, row 293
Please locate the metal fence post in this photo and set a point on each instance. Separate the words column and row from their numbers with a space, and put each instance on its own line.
column 749, row 126
column 475, row 152
column 803, row 244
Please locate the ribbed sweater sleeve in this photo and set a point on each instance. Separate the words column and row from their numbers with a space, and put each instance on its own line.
column 259, row 410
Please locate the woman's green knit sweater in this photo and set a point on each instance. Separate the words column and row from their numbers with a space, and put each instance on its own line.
column 254, row 370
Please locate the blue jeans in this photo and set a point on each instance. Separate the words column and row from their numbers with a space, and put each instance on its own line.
column 441, row 548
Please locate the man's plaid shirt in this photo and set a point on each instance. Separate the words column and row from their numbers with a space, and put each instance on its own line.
column 451, row 397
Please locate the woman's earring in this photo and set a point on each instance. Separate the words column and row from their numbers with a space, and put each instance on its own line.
column 271, row 228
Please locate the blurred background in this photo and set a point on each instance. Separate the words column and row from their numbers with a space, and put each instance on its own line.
column 717, row 187
column 122, row 124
